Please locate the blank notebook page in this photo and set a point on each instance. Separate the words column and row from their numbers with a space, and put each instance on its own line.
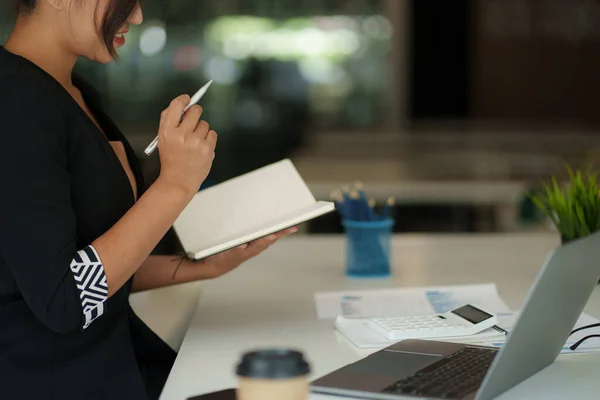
column 242, row 204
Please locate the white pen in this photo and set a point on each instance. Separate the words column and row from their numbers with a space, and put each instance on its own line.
column 195, row 99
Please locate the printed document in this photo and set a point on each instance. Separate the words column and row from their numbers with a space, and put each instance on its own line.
column 401, row 302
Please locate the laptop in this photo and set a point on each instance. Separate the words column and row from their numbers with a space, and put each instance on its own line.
column 444, row 370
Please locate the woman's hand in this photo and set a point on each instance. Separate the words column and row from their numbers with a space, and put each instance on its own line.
column 220, row 264
column 187, row 149
column 157, row 272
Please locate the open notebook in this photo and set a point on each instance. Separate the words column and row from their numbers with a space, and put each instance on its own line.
column 246, row 208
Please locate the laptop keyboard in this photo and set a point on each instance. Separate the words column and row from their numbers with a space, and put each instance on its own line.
column 453, row 377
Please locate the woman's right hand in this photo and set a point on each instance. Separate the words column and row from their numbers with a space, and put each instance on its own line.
column 187, row 150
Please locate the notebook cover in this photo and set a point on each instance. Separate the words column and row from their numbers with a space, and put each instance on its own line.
column 245, row 208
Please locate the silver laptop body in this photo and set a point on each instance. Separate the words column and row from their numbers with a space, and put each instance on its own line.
column 554, row 303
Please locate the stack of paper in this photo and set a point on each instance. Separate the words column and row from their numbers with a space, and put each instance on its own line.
column 351, row 309
column 407, row 301
column 361, row 335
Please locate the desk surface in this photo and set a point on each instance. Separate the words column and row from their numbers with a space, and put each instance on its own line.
column 270, row 302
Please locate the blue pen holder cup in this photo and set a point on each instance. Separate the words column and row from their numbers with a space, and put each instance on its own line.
column 368, row 248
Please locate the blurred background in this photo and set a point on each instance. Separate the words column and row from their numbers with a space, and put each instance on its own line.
column 455, row 108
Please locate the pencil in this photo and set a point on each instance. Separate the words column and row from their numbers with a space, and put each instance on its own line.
column 338, row 199
column 358, row 211
column 364, row 203
column 388, row 207
column 372, row 209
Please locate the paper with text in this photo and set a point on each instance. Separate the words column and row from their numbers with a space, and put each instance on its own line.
column 407, row 301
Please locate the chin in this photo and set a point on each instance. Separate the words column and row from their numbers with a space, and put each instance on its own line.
column 107, row 59
column 98, row 52
column 102, row 57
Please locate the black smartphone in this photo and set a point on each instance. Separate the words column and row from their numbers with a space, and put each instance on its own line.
column 227, row 394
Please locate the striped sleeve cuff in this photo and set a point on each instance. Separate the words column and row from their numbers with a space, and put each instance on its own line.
column 91, row 283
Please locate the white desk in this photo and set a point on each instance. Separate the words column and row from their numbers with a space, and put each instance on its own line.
column 270, row 302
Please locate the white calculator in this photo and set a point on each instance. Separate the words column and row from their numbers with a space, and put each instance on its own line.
column 463, row 321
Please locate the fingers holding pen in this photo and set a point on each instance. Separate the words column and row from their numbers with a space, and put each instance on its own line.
column 186, row 152
column 175, row 110
column 191, row 119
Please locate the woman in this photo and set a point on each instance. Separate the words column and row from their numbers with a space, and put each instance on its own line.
column 77, row 225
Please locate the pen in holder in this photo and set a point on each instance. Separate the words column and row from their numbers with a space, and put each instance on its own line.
column 368, row 248
column 368, row 234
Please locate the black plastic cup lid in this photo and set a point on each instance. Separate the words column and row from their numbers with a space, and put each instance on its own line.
column 273, row 364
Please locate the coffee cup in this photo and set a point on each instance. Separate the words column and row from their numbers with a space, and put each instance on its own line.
column 276, row 374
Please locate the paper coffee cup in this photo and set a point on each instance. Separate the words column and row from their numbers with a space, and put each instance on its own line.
column 277, row 374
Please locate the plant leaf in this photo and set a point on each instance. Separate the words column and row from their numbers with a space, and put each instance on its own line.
column 575, row 208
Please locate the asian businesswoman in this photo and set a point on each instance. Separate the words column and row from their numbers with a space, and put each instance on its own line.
column 77, row 223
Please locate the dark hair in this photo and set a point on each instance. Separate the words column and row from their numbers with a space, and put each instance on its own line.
column 117, row 13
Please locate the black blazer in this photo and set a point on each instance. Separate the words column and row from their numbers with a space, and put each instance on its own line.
column 62, row 187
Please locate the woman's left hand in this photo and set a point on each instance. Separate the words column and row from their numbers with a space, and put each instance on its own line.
column 222, row 263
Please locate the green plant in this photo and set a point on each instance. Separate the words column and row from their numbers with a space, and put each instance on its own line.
column 574, row 208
